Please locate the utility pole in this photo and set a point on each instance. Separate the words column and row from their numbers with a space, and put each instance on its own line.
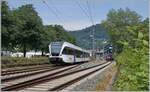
column 104, row 42
column 93, row 29
column 93, row 41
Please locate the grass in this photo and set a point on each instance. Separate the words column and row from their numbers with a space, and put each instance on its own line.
column 8, row 62
column 107, row 78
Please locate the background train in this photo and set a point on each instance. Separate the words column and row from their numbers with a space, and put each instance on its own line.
column 108, row 54
column 64, row 52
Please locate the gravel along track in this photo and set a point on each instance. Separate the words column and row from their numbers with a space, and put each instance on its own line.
column 91, row 82
column 62, row 80
column 7, row 85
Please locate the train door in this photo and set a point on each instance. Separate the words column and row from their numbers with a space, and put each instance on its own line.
column 74, row 54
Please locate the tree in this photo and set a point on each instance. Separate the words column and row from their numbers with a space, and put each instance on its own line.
column 54, row 33
column 116, row 23
column 29, row 27
column 47, row 37
column 130, row 35
column 63, row 35
column 133, row 60
column 8, row 29
column 22, row 30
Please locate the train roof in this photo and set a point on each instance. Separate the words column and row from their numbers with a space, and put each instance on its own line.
column 67, row 44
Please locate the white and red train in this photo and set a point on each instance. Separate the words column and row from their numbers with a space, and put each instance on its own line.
column 64, row 52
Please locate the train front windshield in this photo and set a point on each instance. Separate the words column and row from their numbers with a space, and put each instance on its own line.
column 55, row 49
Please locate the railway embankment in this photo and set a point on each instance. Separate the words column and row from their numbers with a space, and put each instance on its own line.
column 99, row 81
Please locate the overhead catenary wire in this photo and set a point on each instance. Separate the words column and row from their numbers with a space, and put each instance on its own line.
column 50, row 8
column 60, row 13
column 55, row 11
column 93, row 30
column 87, row 11
column 83, row 9
column 90, row 12
column 54, row 7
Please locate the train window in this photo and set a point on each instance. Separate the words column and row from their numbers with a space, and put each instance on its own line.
column 87, row 54
column 78, row 53
column 84, row 54
column 65, row 51
column 71, row 52
column 55, row 48
column 68, row 51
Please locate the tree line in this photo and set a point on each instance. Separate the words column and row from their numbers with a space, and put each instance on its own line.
column 23, row 30
column 129, row 34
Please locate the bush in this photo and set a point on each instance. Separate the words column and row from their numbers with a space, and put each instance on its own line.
column 133, row 70
column 21, row 61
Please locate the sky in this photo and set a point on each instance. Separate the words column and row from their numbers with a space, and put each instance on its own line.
column 69, row 14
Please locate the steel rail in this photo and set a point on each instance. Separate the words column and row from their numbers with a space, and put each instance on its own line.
column 42, row 79
column 32, row 81
column 28, row 74
column 62, row 86
column 8, row 72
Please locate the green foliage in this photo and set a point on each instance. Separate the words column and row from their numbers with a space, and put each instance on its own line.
column 29, row 27
column 117, row 23
column 130, row 39
column 133, row 74
column 62, row 35
column 23, row 30
column 140, row 35
column 83, row 36
column 133, row 61
column 8, row 33
column 54, row 33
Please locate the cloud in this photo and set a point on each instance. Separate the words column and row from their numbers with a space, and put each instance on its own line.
column 76, row 25
column 71, row 25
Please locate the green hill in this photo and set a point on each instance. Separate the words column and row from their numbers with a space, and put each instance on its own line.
column 83, row 36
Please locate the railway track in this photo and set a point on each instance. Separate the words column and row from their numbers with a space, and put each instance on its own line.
column 26, row 74
column 75, row 78
column 24, row 80
column 26, row 69
column 55, row 80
